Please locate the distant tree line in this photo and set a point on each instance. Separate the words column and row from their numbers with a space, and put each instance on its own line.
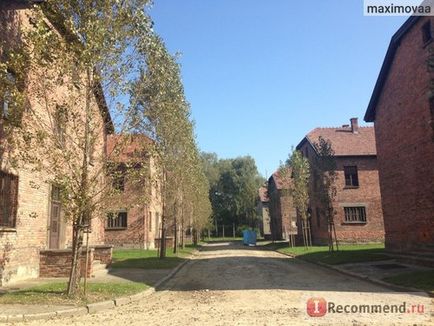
column 233, row 193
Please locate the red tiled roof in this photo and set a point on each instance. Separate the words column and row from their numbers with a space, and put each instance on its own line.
column 127, row 147
column 344, row 142
column 280, row 182
column 263, row 194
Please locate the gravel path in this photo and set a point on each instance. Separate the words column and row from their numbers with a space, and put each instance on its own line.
column 228, row 284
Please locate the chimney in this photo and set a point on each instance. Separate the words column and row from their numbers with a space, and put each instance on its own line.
column 354, row 125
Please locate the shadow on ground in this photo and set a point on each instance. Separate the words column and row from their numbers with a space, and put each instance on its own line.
column 226, row 266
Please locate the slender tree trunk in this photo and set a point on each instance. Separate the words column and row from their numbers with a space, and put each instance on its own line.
column 163, row 238
column 84, row 214
column 182, row 234
column 87, row 262
column 75, row 273
column 223, row 230
column 233, row 230
column 163, row 220
column 175, row 229
column 216, row 228
column 334, row 231
column 194, row 237
column 305, row 233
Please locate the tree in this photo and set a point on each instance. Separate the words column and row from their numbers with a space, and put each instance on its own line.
column 233, row 191
column 325, row 176
column 79, row 50
column 300, row 191
column 162, row 112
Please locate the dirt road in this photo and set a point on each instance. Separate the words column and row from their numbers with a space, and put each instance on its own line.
column 228, row 284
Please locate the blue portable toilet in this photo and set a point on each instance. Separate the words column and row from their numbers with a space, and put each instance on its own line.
column 246, row 237
column 249, row 238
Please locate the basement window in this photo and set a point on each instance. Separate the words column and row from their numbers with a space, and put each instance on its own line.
column 117, row 220
column 426, row 33
column 8, row 199
column 355, row 214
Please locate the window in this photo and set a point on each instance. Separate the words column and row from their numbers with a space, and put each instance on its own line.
column 119, row 179
column 426, row 32
column 6, row 98
column 355, row 214
column 157, row 221
column 150, row 221
column 8, row 199
column 351, row 177
column 117, row 220
column 59, row 124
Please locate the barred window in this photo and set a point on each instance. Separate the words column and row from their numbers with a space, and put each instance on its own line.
column 8, row 199
column 117, row 220
column 355, row 214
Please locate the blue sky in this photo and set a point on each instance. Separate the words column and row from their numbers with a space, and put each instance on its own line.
column 261, row 74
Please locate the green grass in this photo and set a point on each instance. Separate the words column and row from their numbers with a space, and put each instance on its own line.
column 346, row 253
column 220, row 239
column 148, row 259
column 421, row 280
column 55, row 293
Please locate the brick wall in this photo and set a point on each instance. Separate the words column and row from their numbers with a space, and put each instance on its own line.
column 103, row 253
column 405, row 146
column 282, row 212
column 57, row 262
column 20, row 245
column 367, row 194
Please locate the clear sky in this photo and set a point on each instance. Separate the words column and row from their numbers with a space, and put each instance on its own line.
column 261, row 74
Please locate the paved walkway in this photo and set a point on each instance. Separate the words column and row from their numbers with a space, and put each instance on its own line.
column 229, row 284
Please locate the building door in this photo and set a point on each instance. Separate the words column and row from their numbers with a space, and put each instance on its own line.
column 55, row 215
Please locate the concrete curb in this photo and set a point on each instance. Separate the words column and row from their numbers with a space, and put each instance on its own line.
column 394, row 287
column 97, row 306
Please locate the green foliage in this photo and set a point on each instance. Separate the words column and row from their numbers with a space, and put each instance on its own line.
column 324, row 181
column 234, row 187
column 161, row 111
column 347, row 253
column 148, row 259
column 55, row 293
column 300, row 181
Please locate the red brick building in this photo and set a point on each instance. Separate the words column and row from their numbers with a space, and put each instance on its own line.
column 357, row 206
column 34, row 235
column 402, row 107
column 283, row 216
column 135, row 214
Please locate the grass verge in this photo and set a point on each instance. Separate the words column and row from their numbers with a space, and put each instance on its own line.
column 423, row 280
column 221, row 239
column 148, row 259
column 55, row 293
column 346, row 253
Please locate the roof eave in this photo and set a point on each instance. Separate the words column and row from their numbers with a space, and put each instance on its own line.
column 385, row 68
